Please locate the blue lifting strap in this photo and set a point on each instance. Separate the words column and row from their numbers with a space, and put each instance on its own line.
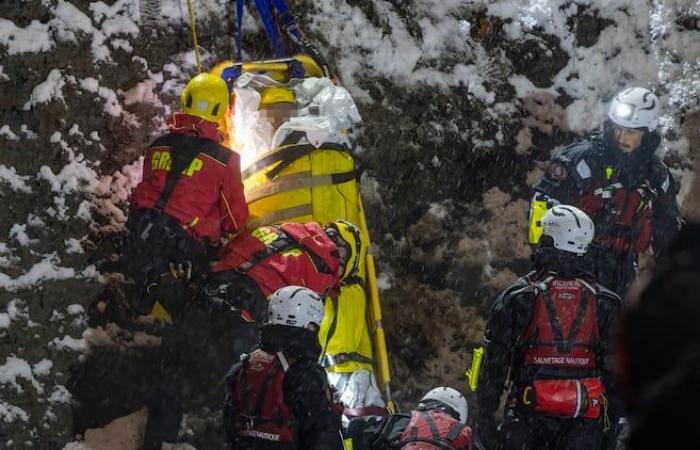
column 239, row 29
column 284, row 21
column 288, row 22
column 266, row 9
column 266, row 14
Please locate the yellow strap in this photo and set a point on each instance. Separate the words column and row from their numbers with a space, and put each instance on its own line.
column 194, row 35
column 292, row 182
column 282, row 215
column 252, row 168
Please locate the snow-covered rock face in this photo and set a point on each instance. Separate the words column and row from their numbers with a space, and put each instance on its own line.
column 462, row 102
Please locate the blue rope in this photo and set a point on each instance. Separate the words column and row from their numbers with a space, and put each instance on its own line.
column 239, row 25
column 266, row 14
column 289, row 23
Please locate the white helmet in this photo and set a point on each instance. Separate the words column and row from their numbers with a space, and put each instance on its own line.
column 295, row 306
column 635, row 108
column 570, row 228
column 449, row 397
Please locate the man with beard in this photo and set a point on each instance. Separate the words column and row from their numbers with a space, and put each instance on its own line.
column 616, row 179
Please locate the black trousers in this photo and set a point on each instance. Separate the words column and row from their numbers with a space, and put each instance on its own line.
column 156, row 241
column 197, row 351
column 525, row 431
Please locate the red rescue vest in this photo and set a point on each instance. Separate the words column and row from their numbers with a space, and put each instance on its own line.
column 622, row 217
column 261, row 411
column 435, row 430
column 290, row 254
column 563, row 332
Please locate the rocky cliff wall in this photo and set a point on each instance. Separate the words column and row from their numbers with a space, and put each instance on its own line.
column 462, row 103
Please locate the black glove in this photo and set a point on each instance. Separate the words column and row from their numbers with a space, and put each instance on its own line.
column 171, row 293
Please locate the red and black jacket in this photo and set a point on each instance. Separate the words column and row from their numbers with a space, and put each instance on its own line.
column 424, row 429
column 435, row 430
column 261, row 413
column 280, row 403
column 631, row 198
column 546, row 326
column 290, row 254
column 207, row 199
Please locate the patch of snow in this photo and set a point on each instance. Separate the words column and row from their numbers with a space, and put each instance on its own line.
column 17, row 310
column 90, row 272
column 43, row 368
column 112, row 105
column 75, row 130
column 35, row 221
column 47, row 91
column 75, row 176
column 84, row 211
column 73, row 246
column 60, row 394
column 29, row 134
column 31, row 39
column 56, row 316
column 15, row 368
column 438, row 210
column 68, row 21
column 69, row 343
column 75, row 309
column 122, row 44
column 6, row 131
column 391, row 51
column 45, row 270
column 143, row 92
column 17, row 182
column 384, row 281
column 19, row 233
column 11, row 413
column 4, row 320
column 76, row 446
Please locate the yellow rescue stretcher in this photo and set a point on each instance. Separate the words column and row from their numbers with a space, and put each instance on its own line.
column 297, row 182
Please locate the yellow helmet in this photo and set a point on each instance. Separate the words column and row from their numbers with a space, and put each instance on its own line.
column 206, row 96
column 347, row 235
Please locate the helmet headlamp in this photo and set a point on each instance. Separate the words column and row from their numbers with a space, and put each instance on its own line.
column 624, row 111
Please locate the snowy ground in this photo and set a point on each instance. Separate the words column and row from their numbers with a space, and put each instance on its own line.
column 440, row 83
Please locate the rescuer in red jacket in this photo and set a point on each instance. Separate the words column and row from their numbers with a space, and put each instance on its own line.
column 550, row 335
column 439, row 423
column 191, row 194
column 278, row 396
column 216, row 328
column 257, row 263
